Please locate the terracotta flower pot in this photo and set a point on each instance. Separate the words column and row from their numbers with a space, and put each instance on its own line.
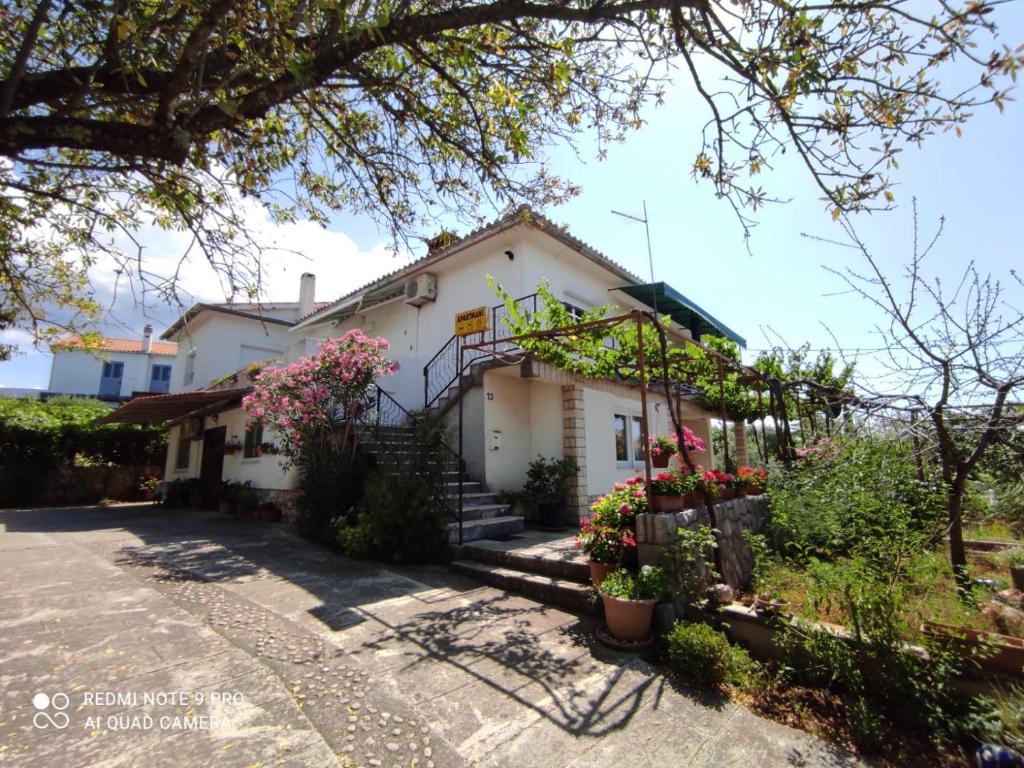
column 665, row 503
column 628, row 619
column 599, row 572
column 755, row 490
column 660, row 460
column 726, row 494
column 692, row 499
column 1017, row 577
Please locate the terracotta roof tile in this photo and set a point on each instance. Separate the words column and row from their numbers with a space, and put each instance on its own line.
column 110, row 344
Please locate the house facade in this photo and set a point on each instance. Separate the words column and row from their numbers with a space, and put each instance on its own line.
column 510, row 410
column 117, row 370
column 511, row 413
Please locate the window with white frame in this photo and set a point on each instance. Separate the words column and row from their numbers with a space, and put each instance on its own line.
column 190, row 367
column 629, row 447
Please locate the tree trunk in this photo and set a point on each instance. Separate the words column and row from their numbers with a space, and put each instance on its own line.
column 957, row 554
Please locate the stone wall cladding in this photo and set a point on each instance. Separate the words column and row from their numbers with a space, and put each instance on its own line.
column 655, row 531
column 285, row 500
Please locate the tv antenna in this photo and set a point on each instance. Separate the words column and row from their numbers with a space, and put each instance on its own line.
column 650, row 257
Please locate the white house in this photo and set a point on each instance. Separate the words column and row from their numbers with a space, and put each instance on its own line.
column 511, row 413
column 216, row 340
column 119, row 368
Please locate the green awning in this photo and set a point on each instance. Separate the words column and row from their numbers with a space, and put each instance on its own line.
column 666, row 300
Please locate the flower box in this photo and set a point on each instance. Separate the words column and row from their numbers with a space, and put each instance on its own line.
column 999, row 653
column 668, row 503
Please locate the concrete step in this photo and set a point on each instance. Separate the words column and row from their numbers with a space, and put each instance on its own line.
column 482, row 511
column 468, row 486
column 472, row 497
column 546, row 589
column 568, row 566
column 488, row 528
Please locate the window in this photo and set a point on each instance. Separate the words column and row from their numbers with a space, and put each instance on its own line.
column 160, row 379
column 253, row 438
column 190, row 367
column 575, row 312
column 184, row 455
column 629, row 448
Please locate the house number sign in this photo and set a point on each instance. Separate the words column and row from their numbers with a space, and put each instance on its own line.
column 471, row 321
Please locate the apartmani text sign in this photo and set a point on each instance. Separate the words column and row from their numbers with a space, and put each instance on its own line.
column 471, row 321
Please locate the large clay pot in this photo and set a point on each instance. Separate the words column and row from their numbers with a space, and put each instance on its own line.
column 660, row 460
column 664, row 503
column 599, row 572
column 628, row 619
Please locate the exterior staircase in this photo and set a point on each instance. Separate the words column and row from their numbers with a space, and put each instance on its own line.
column 482, row 516
column 540, row 565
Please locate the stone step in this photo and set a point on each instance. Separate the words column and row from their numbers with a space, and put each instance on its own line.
column 567, row 566
column 470, row 496
column 546, row 589
column 492, row 527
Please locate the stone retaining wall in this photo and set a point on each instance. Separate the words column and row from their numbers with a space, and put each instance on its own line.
column 655, row 531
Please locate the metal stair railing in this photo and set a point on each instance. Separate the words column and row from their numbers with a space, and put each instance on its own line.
column 442, row 370
column 381, row 411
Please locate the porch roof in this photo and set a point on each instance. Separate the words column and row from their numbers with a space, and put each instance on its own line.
column 155, row 408
column 666, row 300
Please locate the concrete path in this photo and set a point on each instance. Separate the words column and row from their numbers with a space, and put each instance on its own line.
column 187, row 638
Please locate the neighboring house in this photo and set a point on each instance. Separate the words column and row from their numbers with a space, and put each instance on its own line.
column 215, row 340
column 117, row 370
column 511, row 413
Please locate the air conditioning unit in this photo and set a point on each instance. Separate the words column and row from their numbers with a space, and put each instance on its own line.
column 421, row 289
column 191, row 429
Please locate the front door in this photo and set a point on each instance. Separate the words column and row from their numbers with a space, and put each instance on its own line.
column 211, row 470
column 110, row 381
column 160, row 380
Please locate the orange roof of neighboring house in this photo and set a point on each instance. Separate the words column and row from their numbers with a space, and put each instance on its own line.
column 110, row 344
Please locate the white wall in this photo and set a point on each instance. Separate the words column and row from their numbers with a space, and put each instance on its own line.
column 416, row 334
column 77, row 372
column 223, row 344
column 600, row 407
column 528, row 414
column 262, row 471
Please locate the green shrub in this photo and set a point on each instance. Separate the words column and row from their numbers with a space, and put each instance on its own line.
column 702, row 655
column 650, row 583
column 355, row 539
column 998, row 718
column 331, row 484
column 863, row 498
column 407, row 505
column 878, row 677
column 692, row 561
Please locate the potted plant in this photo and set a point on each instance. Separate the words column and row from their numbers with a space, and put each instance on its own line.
column 726, row 484
column 609, row 535
column 234, row 445
column 238, row 498
column 667, row 492
column 751, row 481
column 546, row 487
column 148, row 485
column 662, row 449
column 629, row 601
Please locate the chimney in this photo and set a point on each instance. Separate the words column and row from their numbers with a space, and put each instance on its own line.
column 147, row 339
column 307, row 293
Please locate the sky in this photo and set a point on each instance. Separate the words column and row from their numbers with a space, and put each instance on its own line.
column 779, row 291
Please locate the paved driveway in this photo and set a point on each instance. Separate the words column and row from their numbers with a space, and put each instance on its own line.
column 135, row 636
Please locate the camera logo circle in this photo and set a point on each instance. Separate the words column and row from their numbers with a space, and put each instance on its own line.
column 51, row 712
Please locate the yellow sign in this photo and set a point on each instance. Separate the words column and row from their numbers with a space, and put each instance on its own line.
column 471, row 321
